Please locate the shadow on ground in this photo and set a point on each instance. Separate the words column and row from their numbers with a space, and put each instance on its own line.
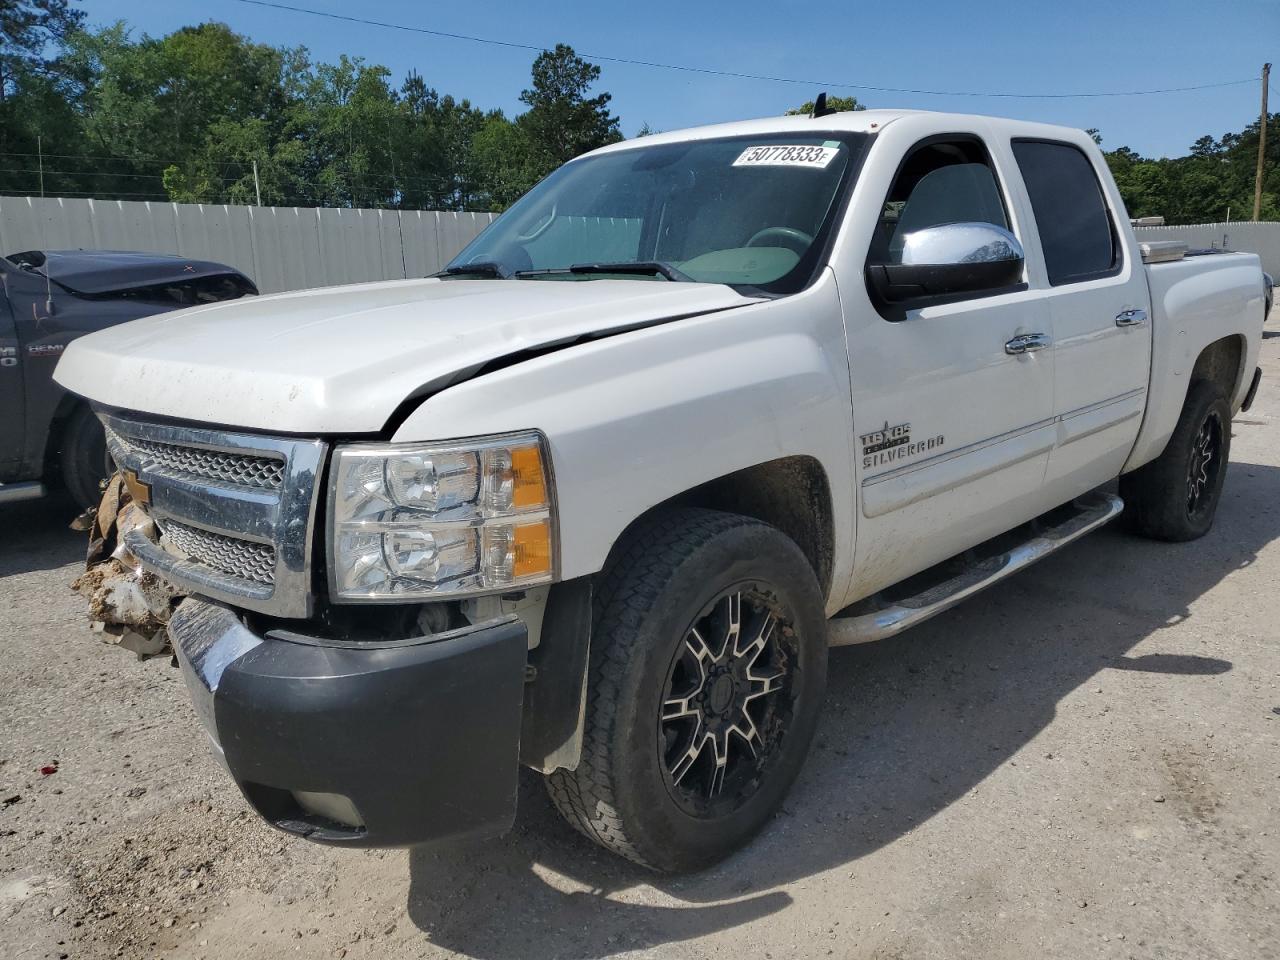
column 34, row 535
column 911, row 725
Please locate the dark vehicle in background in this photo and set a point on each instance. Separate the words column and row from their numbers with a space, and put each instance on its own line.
column 49, row 298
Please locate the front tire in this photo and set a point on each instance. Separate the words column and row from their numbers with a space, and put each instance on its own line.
column 707, row 673
column 84, row 458
column 1175, row 497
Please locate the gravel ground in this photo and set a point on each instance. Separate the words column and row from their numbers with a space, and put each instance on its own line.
column 1082, row 763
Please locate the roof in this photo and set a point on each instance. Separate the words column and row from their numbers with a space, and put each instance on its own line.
column 105, row 271
column 853, row 121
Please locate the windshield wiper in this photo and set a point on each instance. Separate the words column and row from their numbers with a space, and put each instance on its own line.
column 481, row 268
column 645, row 267
column 660, row 267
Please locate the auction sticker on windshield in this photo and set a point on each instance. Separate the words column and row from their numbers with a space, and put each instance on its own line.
column 785, row 156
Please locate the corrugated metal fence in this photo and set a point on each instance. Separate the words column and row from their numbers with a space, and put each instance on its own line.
column 290, row 248
column 1251, row 236
column 281, row 248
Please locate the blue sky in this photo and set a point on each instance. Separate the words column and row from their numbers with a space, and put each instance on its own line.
column 1019, row 47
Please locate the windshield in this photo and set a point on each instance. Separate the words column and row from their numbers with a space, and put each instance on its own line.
column 737, row 210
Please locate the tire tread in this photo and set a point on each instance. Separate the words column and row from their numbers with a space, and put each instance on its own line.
column 626, row 591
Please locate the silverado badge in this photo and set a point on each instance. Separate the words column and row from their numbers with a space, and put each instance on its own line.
column 889, row 444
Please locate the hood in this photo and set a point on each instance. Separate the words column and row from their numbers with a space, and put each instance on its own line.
column 98, row 272
column 343, row 359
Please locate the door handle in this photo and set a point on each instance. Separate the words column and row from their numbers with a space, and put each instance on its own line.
column 1027, row 343
column 1131, row 318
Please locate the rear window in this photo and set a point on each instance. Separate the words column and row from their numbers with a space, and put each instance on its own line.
column 1075, row 226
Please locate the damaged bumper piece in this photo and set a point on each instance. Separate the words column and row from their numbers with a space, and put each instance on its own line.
column 128, row 605
column 361, row 744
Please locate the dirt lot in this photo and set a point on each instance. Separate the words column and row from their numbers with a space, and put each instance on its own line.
column 1083, row 764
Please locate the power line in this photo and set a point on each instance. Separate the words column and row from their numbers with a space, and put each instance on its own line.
column 709, row 71
column 376, row 181
column 392, row 178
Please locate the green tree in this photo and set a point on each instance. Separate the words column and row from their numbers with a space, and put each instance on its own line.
column 838, row 104
column 433, row 148
column 562, row 121
column 1215, row 178
column 35, row 112
column 506, row 162
column 28, row 29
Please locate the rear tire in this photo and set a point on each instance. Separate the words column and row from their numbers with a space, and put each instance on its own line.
column 84, row 459
column 1175, row 497
column 708, row 642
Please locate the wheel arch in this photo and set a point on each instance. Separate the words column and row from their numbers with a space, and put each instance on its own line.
column 1223, row 363
column 55, row 436
column 790, row 493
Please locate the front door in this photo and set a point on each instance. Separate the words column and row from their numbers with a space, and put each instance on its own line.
column 954, row 424
column 13, row 415
column 1098, row 300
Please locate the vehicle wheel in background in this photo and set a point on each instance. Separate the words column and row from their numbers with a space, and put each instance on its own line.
column 84, row 457
column 1175, row 496
column 708, row 669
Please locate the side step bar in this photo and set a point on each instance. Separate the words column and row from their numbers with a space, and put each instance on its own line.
column 15, row 492
column 876, row 617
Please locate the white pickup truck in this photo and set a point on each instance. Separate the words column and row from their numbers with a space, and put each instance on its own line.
column 598, row 497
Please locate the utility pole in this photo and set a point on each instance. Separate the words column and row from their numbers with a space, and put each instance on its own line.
column 1262, row 143
column 257, row 189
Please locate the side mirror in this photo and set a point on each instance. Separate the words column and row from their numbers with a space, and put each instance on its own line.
column 951, row 259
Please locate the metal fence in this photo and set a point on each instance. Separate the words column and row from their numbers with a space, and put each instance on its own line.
column 1262, row 238
column 291, row 248
column 281, row 248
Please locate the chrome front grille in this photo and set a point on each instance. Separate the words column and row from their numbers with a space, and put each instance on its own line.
column 242, row 559
column 235, row 511
column 241, row 470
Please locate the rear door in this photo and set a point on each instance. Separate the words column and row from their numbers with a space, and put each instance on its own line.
column 1098, row 300
column 13, row 413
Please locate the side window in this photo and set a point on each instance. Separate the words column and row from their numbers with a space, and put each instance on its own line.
column 1076, row 232
column 940, row 182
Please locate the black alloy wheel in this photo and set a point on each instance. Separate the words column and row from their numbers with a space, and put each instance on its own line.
column 727, row 702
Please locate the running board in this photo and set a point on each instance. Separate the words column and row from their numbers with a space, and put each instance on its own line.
column 877, row 617
column 16, row 492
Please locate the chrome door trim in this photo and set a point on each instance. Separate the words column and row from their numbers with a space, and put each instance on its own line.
column 1089, row 408
column 1095, row 417
column 937, row 475
column 1070, row 427
column 940, row 458
column 998, row 438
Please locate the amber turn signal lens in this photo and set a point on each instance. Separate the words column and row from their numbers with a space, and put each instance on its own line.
column 531, row 546
column 529, row 484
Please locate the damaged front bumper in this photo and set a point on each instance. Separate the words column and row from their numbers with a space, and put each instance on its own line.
column 361, row 744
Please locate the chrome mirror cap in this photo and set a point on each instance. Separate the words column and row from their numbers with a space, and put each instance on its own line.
column 952, row 244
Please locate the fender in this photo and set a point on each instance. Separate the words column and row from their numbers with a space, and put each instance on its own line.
column 638, row 418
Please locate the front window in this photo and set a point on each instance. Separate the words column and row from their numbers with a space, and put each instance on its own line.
column 749, row 211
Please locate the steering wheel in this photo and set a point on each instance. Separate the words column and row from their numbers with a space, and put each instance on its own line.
column 797, row 240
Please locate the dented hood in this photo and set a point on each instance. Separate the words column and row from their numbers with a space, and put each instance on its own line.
column 342, row 359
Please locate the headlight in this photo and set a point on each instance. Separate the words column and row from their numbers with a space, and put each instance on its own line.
column 433, row 520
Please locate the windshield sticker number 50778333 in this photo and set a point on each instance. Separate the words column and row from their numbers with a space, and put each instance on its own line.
column 785, row 156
